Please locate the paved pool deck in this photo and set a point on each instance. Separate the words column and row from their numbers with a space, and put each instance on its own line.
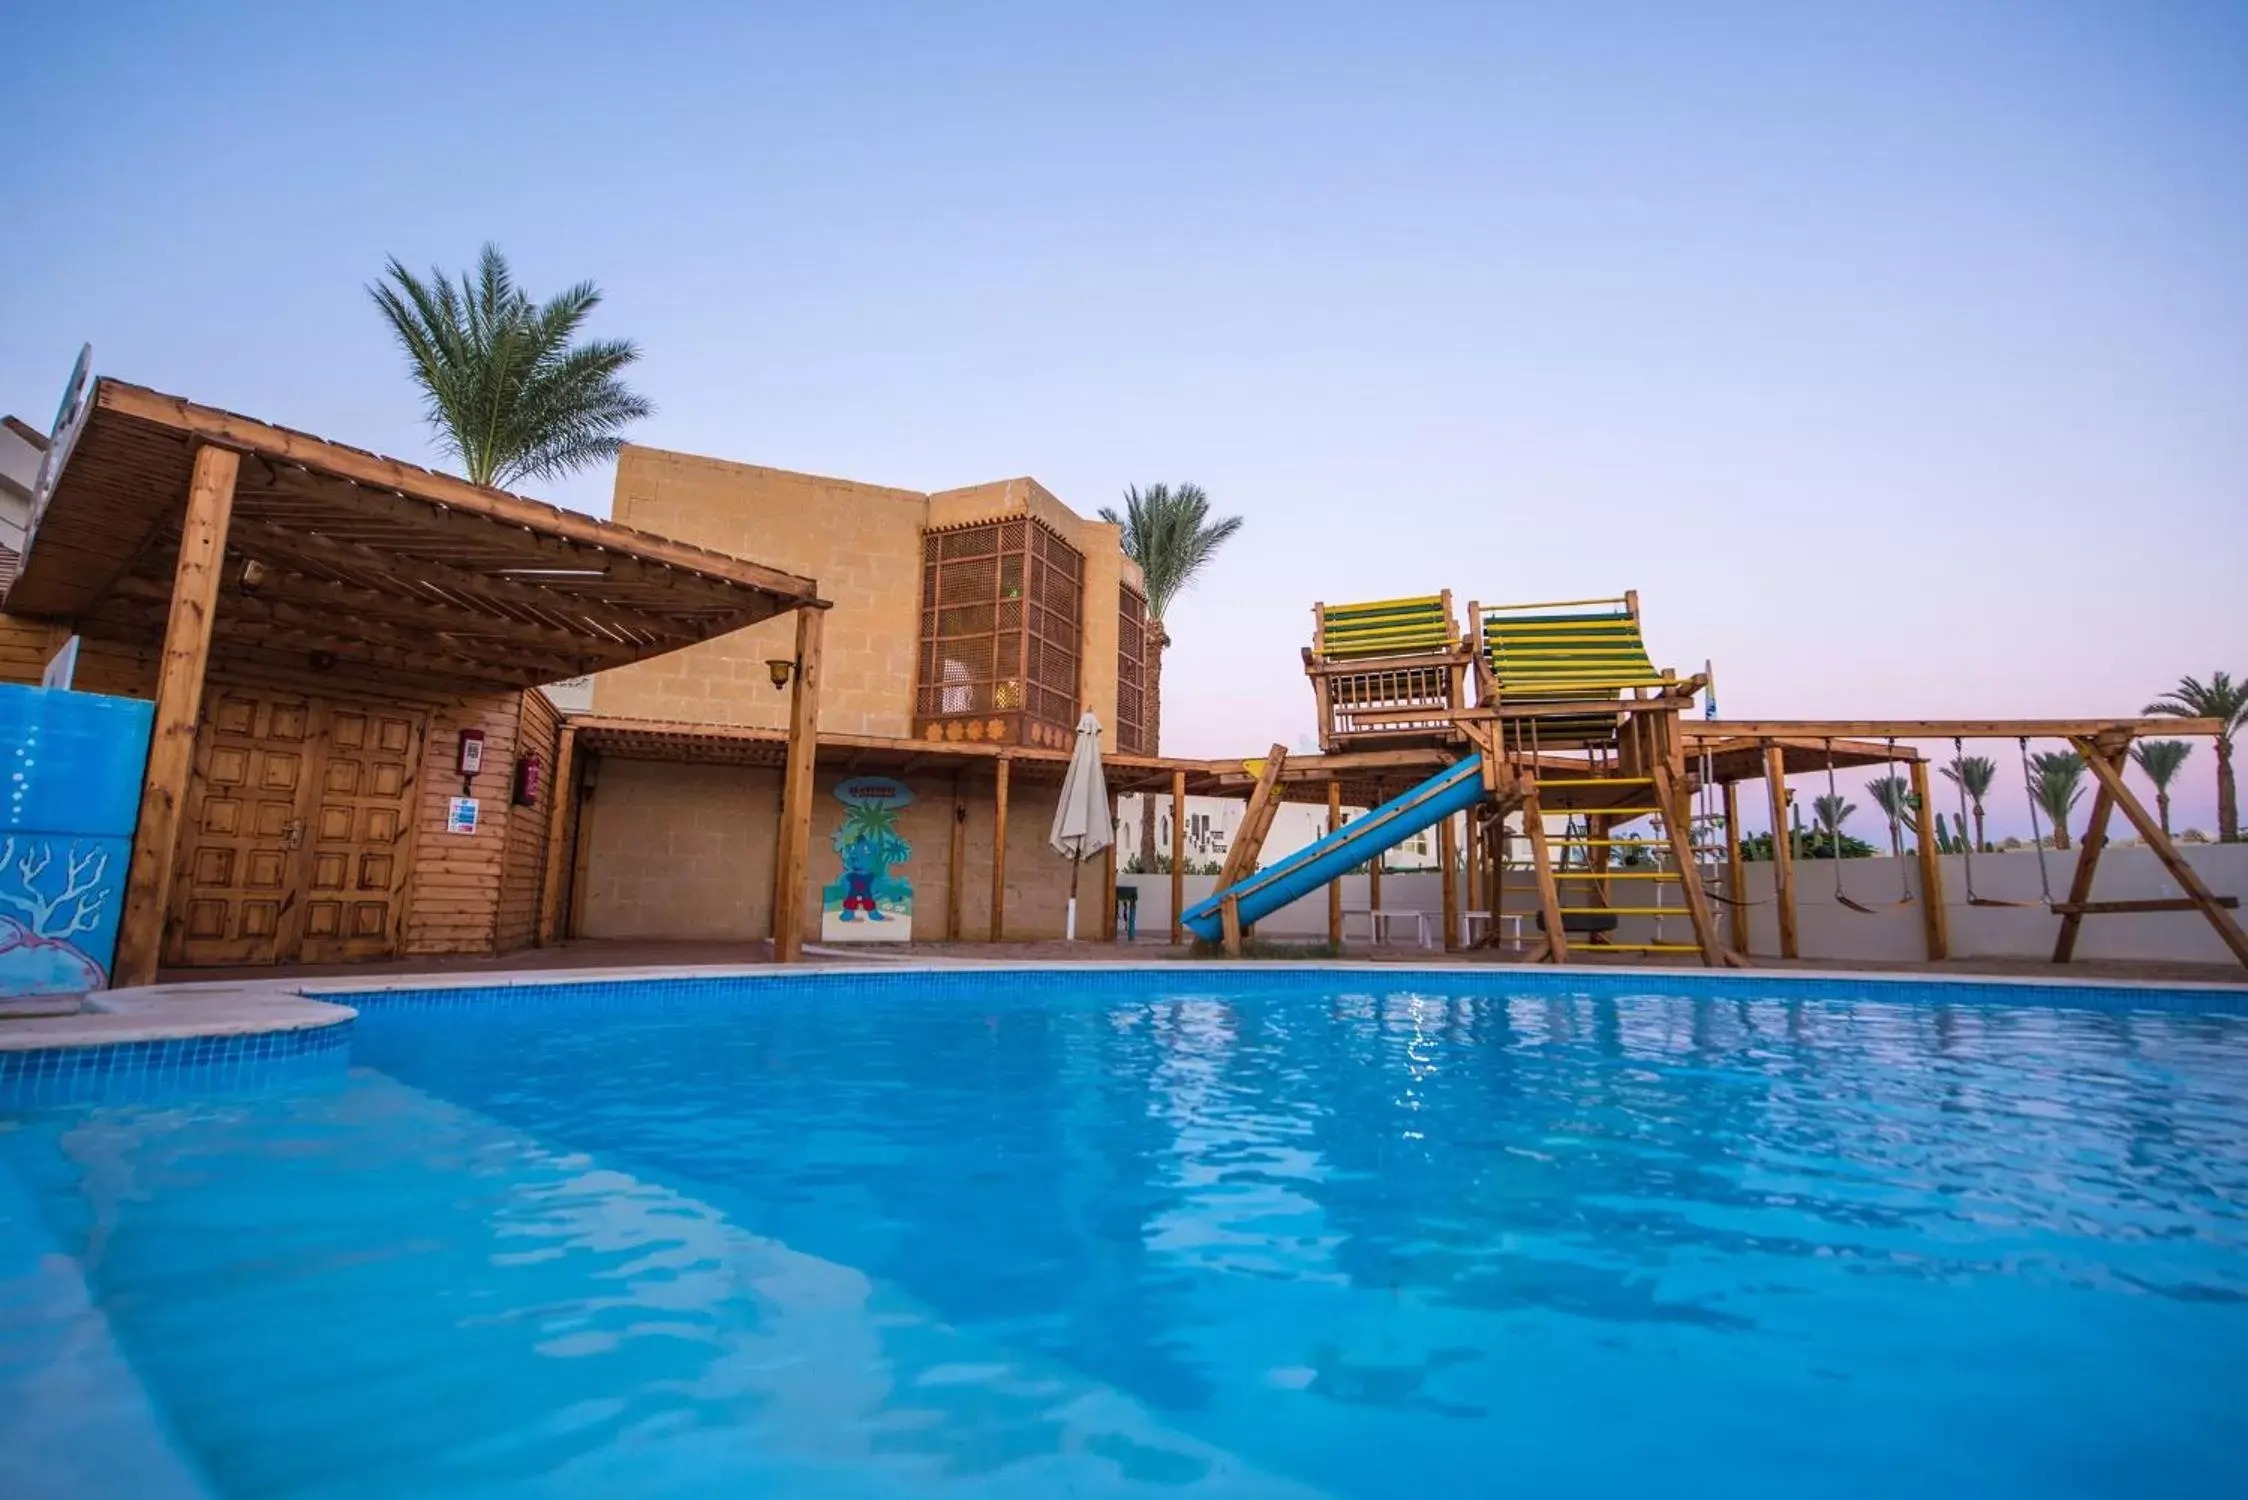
column 250, row 1002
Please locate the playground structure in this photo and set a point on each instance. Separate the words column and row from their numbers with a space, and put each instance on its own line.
column 1556, row 711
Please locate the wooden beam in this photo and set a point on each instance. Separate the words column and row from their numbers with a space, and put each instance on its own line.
column 1178, row 858
column 1335, row 886
column 423, row 485
column 1229, row 925
column 1447, row 854
column 2189, row 879
column 955, row 863
column 1374, row 885
column 999, row 851
column 1944, row 729
column 581, row 845
column 796, row 790
column 1935, row 917
column 2088, row 850
column 1256, row 821
column 179, row 708
column 2153, row 904
column 1108, row 874
column 1555, row 948
column 1783, row 849
column 561, row 791
column 1736, row 873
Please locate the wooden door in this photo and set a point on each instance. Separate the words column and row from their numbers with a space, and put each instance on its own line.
column 298, row 832
column 235, row 886
column 360, row 834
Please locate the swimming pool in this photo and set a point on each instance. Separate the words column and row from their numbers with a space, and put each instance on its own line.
column 1243, row 1232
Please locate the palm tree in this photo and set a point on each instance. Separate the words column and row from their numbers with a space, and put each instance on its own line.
column 2161, row 759
column 2226, row 701
column 1832, row 811
column 1893, row 794
column 1973, row 774
column 1170, row 534
column 2055, row 782
column 510, row 394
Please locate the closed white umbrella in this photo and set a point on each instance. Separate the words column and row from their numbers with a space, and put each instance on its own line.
column 1081, row 825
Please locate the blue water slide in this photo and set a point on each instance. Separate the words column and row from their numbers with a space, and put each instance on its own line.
column 1452, row 790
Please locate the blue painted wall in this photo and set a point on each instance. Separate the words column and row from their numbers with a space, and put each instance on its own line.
column 70, row 781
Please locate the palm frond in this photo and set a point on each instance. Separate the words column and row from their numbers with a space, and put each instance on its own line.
column 2056, row 781
column 1169, row 533
column 508, row 391
column 1972, row 774
column 1832, row 811
column 2161, row 760
column 2219, row 698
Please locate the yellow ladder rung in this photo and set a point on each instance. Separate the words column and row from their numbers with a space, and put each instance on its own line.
column 1579, row 841
column 1544, row 782
column 1635, row 947
column 1606, row 812
column 1615, row 875
column 1632, row 911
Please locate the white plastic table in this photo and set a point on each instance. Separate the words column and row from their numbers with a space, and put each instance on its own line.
column 1379, row 923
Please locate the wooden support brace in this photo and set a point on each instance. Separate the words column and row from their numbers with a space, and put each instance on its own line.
column 796, row 790
column 1178, row 858
column 999, row 852
column 1679, row 827
column 1335, row 886
column 1229, row 918
column 1256, row 821
column 1783, row 848
column 1935, row 917
column 1448, row 855
column 2110, row 776
column 179, row 707
column 562, row 791
column 1555, row 949
column 1736, row 874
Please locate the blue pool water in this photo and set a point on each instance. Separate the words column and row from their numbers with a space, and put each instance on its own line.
column 1264, row 1233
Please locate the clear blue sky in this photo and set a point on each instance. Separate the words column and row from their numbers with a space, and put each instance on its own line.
column 1897, row 354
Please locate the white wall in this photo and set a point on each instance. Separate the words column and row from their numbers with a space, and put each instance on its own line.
column 1826, row 929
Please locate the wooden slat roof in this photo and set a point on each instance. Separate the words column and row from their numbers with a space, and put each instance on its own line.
column 339, row 553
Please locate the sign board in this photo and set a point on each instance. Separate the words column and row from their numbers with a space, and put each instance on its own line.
column 62, row 667
column 573, row 695
column 460, row 815
column 70, row 419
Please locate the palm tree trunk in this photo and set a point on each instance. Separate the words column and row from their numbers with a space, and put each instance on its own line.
column 1982, row 845
column 2228, row 801
column 2162, row 808
column 2060, row 831
column 1896, row 839
column 1151, row 711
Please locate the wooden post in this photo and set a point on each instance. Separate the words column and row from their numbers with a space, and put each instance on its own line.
column 2088, row 850
column 1556, row 944
column 1335, row 886
column 1472, row 856
column 1935, row 919
column 1736, row 878
column 1447, row 854
column 796, row 790
column 956, row 863
column 999, row 853
column 1783, row 852
column 1678, row 823
column 1178, row 858
column 1229, row 922
column 562, row 790
column 1108, row 872
column 2189, row 880
column 1374, row 884
column 1494, row 835
column 179, row 707
column 581, row 846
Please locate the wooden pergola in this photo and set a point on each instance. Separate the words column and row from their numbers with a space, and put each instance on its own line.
column 213, row 537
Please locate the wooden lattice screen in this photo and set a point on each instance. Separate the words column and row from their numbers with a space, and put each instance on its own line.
column 1133, row 717
column 1001, row 621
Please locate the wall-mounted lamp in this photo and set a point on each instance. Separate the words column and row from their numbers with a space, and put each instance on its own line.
column 782, row 668
column 252, row 574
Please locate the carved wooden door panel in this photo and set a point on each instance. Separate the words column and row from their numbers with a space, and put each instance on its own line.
column 360, row 834
column 298, row 832
column 234, row 887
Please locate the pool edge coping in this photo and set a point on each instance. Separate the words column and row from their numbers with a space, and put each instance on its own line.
column 247, row 1008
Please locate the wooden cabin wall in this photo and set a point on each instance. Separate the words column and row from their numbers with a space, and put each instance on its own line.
column 523, row 857
column 456, row 881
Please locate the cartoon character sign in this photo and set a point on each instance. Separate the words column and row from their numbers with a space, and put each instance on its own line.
column 871, row 900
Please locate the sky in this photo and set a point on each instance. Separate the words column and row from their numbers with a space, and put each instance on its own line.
column 1897, row 355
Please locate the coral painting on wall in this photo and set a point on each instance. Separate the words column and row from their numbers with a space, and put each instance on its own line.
column 871, row 898
column 71, row 764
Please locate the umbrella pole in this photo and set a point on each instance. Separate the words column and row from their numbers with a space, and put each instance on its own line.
column 1070, row 927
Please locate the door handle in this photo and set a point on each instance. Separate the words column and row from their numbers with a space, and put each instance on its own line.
column 292, row 834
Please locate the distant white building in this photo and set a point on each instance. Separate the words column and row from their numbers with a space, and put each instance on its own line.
column 1212, row 821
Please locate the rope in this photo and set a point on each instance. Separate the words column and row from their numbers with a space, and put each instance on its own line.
column 1834, row 843
column 1959, row 782
column 2037, row 838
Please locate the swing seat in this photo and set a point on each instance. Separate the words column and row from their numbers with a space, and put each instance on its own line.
column 1588, row 923
column 1872, row 911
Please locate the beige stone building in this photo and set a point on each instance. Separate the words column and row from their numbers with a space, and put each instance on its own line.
column 967, row 625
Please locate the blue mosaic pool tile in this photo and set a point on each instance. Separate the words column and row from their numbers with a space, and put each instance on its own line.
column 134, row 1071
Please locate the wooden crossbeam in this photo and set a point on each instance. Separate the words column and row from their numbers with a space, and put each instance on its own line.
column 2110, row 777
column 1930, row 729
column 1256, row 821
column 2152, row 904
